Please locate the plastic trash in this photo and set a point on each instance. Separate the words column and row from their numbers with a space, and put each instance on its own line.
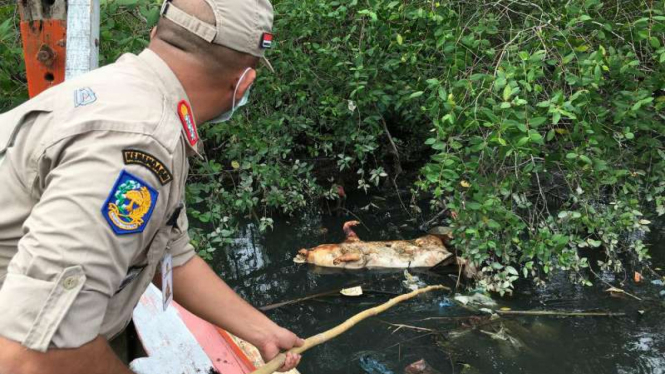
column 412, row 282
column 371, row 365
column 477, row 299
column 658, row 282
column 445, row 303
column 353, row 291
column 420, row 367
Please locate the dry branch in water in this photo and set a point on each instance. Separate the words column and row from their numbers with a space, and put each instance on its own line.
column 558, row 313
column 323, row 337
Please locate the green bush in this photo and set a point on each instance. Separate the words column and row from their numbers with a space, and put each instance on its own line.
column 539, row 123
column 545, row 121
column 12, row 66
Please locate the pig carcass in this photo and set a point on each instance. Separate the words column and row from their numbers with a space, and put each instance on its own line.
column 353, row 253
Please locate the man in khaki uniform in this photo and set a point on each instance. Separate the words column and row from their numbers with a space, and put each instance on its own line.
column 93, row 174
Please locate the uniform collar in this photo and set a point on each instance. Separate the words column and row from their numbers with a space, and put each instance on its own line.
column 175, row 95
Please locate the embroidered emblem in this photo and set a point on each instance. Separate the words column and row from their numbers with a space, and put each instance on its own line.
column 135, row 157
column 266, row 40
column 129, row 205
column 185, row 113
column 84, row 96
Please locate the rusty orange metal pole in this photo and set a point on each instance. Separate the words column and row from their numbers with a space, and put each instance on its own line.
column 44, row 35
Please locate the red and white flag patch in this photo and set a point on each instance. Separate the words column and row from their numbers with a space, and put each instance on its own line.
column 266, row 40
column 185, row 113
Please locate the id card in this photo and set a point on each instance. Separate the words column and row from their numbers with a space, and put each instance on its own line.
column 167, row 279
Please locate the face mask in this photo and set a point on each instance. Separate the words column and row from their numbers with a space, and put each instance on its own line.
column 228, row 114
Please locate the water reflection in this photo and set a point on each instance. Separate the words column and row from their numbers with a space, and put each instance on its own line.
column 260, row 268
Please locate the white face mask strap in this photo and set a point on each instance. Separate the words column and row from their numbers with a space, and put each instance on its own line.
column 233, row 107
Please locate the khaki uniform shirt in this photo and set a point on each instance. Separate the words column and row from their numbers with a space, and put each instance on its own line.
column 92, row 177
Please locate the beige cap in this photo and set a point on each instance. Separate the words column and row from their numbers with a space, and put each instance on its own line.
column 242, row 25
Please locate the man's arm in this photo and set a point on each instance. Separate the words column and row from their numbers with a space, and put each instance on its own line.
column 95, row 357
column 202, row 292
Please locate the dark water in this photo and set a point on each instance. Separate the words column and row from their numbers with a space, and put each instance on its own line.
column 260, row 268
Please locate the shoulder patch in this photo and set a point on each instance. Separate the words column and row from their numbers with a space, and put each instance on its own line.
column 129, row 205
column 185, row 113
column 152, row 163
column 84, row 96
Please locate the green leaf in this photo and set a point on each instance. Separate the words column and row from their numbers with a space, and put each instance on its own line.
column 416, row 94
column 655, row 42
column 556, row 118
column 537, row 121
column 586, row 159
column 493, row 224
column 535, row 136
column 550, row 135
column 507, row 92
column 127, row 2
column 473, row 205
column 399, row 39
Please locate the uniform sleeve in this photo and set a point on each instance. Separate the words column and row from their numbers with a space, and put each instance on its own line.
column 93, row 216
column 181, row 248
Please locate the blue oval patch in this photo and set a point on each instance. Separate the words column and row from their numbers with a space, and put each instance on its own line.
column 130, row 204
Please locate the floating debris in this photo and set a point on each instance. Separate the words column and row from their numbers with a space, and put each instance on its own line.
column 412, row 282
column 353, row 291
column 477, row 299
column 445, row 303
column 372, row 365
column 420, row 367
column 503, row 335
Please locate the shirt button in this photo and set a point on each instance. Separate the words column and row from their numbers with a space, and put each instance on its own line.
column 69, row 283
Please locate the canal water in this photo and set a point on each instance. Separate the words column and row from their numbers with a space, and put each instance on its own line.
column 260, row 268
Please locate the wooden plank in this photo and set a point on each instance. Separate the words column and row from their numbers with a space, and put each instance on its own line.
column 82, row 37
column 171, row 347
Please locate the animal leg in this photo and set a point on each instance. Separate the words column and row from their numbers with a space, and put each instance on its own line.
column 351, row 236
column 348, row 257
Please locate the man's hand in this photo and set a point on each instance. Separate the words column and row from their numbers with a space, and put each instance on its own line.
column 202, row 292
column 281, row 339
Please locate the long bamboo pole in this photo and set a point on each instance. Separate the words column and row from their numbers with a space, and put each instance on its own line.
column 323, row 337
column 558, row 313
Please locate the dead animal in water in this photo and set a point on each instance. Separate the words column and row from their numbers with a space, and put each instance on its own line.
column 354, row 253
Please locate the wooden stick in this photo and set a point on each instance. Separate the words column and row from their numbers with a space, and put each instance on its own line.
column 327, row 293
column 323, row 337
column 294, row 301
column 558, row 313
